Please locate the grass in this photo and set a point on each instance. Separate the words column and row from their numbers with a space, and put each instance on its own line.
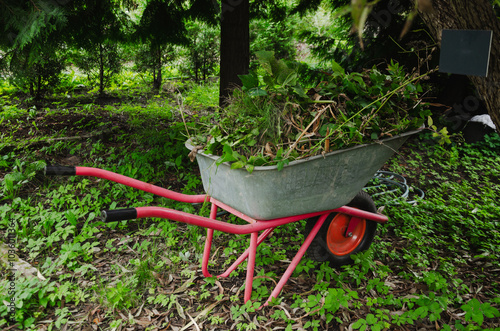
column 434, row 265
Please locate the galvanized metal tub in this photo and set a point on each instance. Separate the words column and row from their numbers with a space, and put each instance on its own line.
column 304, row 186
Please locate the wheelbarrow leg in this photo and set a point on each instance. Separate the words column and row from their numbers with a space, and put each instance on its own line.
column 244, row 256
column 208, row 244
column 296, row 259
column 251, row 265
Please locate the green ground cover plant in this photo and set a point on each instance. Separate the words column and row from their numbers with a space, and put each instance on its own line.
column 434, row 265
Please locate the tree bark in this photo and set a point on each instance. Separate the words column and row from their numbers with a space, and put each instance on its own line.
column 101, row 71
column 38, row 86
column 472, row 15
column 234, row 46
column 157, row 77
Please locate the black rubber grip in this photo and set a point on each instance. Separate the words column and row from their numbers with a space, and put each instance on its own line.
column 119, row 214
column 60, row 171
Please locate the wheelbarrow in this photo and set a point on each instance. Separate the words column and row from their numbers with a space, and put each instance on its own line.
column 324, row 190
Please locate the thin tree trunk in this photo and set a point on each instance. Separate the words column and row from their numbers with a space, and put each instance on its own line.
column 472, row 15
column 234, row 46
column 196, row 67
column 38, row 87
column 157, row 77
column 101, row 71
column 204, row 65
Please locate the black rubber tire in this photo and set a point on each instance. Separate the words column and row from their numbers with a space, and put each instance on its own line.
column 319, row 251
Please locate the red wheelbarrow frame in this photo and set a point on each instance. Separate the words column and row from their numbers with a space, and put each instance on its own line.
column 253, row 227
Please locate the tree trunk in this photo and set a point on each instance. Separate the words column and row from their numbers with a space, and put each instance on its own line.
column 38, row 87
column 472, row 15
column 196, row 67
column 204, row 65
column 157, row 77
column 234, row 46
column 101, row 71
column 32, row 89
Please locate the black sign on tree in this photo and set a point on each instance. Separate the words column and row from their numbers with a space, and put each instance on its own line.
column 465, row 52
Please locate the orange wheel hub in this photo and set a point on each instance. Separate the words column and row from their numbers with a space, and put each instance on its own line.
column 338, row 241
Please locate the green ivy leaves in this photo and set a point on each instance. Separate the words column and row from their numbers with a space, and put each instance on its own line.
column 476, row 311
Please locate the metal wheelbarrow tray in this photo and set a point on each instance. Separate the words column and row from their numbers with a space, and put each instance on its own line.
column 314, row 184
column 316, row 189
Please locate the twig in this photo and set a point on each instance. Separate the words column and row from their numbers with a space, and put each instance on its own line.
column 34, row 5
column 305, row 131
column 181, row 110
column 201, row 314
column 266, row 277
column 309, row 313
column 6, row 6
column 194, row 322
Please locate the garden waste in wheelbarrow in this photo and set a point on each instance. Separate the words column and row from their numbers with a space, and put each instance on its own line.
column 318, row 192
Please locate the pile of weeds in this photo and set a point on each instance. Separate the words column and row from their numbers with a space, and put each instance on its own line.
column 272, row 120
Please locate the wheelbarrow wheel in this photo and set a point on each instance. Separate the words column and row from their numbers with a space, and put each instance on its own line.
column 333, row 244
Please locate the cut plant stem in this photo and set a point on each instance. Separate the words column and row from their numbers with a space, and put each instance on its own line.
column 327, row 141
column 386, row 96
column 305, row 131
column 181, row 110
